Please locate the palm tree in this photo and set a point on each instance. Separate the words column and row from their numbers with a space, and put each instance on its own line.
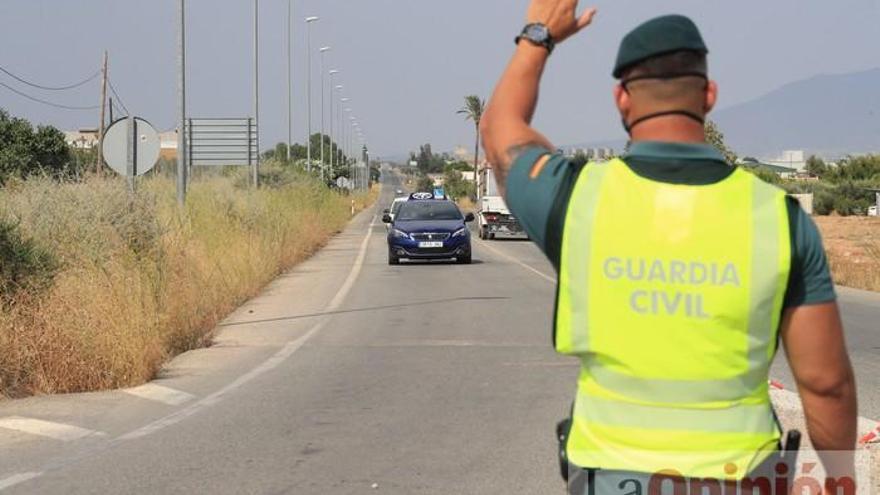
column 473, row 110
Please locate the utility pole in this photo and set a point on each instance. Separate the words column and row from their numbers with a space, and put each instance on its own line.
column 181, row 102
column 309, row 21
column 100, row 162
column 289, row 83
column 340, row 145
column 332, row 73
column 322, row 51
column 256, row 170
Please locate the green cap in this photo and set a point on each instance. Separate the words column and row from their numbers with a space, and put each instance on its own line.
column 659, row 36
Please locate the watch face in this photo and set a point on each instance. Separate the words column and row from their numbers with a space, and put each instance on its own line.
column 537, row 32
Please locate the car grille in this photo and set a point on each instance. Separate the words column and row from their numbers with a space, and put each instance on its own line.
column 430, row 237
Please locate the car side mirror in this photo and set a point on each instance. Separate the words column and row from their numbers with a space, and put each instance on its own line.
column 386, row 218
column 469, row 218
column 386, row 211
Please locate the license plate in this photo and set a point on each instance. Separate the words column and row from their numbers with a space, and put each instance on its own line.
column 432, row 244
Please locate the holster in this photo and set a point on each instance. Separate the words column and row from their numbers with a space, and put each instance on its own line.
column 563, row 428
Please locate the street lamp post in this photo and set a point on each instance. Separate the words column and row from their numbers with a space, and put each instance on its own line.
column 181, row 97
column 332, row 153
column 256, row 166
column 351, row 149
column 289, row 81
column 340, row 145
column 309, row 21
column 346, row 133
column 322, row 51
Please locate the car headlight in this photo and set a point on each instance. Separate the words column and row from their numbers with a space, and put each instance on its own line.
column 460, row 232
column 399, row 234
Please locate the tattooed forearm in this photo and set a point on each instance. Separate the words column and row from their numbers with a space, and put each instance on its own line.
column 510, row 156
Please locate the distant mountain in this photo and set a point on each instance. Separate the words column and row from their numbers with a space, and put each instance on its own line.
column 827, row 115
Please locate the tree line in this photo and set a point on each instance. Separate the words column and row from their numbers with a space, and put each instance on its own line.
column 845, row 187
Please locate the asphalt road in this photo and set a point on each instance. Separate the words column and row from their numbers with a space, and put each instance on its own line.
column 346, row 376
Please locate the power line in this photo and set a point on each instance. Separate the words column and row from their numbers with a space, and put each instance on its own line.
column 118, row 98
column 44, row 102
column 52, row 88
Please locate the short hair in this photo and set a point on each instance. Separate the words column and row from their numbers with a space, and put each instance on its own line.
column 663, row 92
column 683, row 61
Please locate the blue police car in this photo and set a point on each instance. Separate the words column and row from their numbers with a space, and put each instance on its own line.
column 427, row 228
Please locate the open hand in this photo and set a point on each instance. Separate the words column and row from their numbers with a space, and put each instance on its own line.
column 560, row 17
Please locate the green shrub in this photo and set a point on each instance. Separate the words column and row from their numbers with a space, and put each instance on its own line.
column 25, row 151
column 425, row 184
column 24, row 266
column 823, row 202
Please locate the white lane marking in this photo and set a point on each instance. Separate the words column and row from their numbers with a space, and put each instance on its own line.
column 518, row 262
column 268, row 365
column 158, row 393
column 57, row 431
column 15, row 479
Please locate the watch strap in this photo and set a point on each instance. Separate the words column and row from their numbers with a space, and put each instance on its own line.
column 547, row 43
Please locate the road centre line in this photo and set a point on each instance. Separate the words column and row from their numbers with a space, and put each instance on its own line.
column 273, row 362
column 158, row 393
column 49, row 429
column 15, row 479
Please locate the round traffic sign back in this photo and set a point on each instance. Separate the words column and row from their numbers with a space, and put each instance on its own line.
column 119, row 140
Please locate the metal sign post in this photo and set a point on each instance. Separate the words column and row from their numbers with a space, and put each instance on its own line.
column 181, row 96
column 255, row 166
column 131, row 158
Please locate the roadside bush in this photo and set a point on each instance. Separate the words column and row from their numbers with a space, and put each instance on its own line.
column 25, row 151
column 137, row 280
column 456, row 186
column 25, row 267
column 425, row 184
column 823, row 201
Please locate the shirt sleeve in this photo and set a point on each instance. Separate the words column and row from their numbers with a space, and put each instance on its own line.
column 810, row 280
column 539, row 202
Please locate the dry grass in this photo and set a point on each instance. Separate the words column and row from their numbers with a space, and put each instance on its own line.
column 853, row 246
column 140, row 282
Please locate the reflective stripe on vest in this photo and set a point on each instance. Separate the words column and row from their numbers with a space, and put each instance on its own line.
column 672, row 296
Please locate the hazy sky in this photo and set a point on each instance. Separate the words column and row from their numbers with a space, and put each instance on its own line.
column 406, row 64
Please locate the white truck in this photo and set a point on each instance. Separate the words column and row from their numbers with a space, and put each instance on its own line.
column 492, row 214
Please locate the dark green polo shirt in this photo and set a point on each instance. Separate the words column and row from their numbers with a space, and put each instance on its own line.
column 541, row 203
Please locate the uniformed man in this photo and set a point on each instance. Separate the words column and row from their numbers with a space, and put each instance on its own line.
column 678, row 272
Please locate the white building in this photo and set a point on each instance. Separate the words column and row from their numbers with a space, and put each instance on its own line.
column 168, row 144
column 796, row 159
column 592, row 154
column 83, row 139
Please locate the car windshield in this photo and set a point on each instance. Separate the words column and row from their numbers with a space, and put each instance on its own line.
column 429, row 210
column 395, row 207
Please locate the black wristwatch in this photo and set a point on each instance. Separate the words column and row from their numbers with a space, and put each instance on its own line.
column 538, row 34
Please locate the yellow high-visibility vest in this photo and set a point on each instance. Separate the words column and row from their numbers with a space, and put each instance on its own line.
column 671, row 295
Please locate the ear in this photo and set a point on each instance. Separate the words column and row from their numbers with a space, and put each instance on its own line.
column 622, row 100
column 711, row 96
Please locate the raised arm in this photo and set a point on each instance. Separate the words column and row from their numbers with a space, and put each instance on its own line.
column 506, row 125
column 814, row 343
